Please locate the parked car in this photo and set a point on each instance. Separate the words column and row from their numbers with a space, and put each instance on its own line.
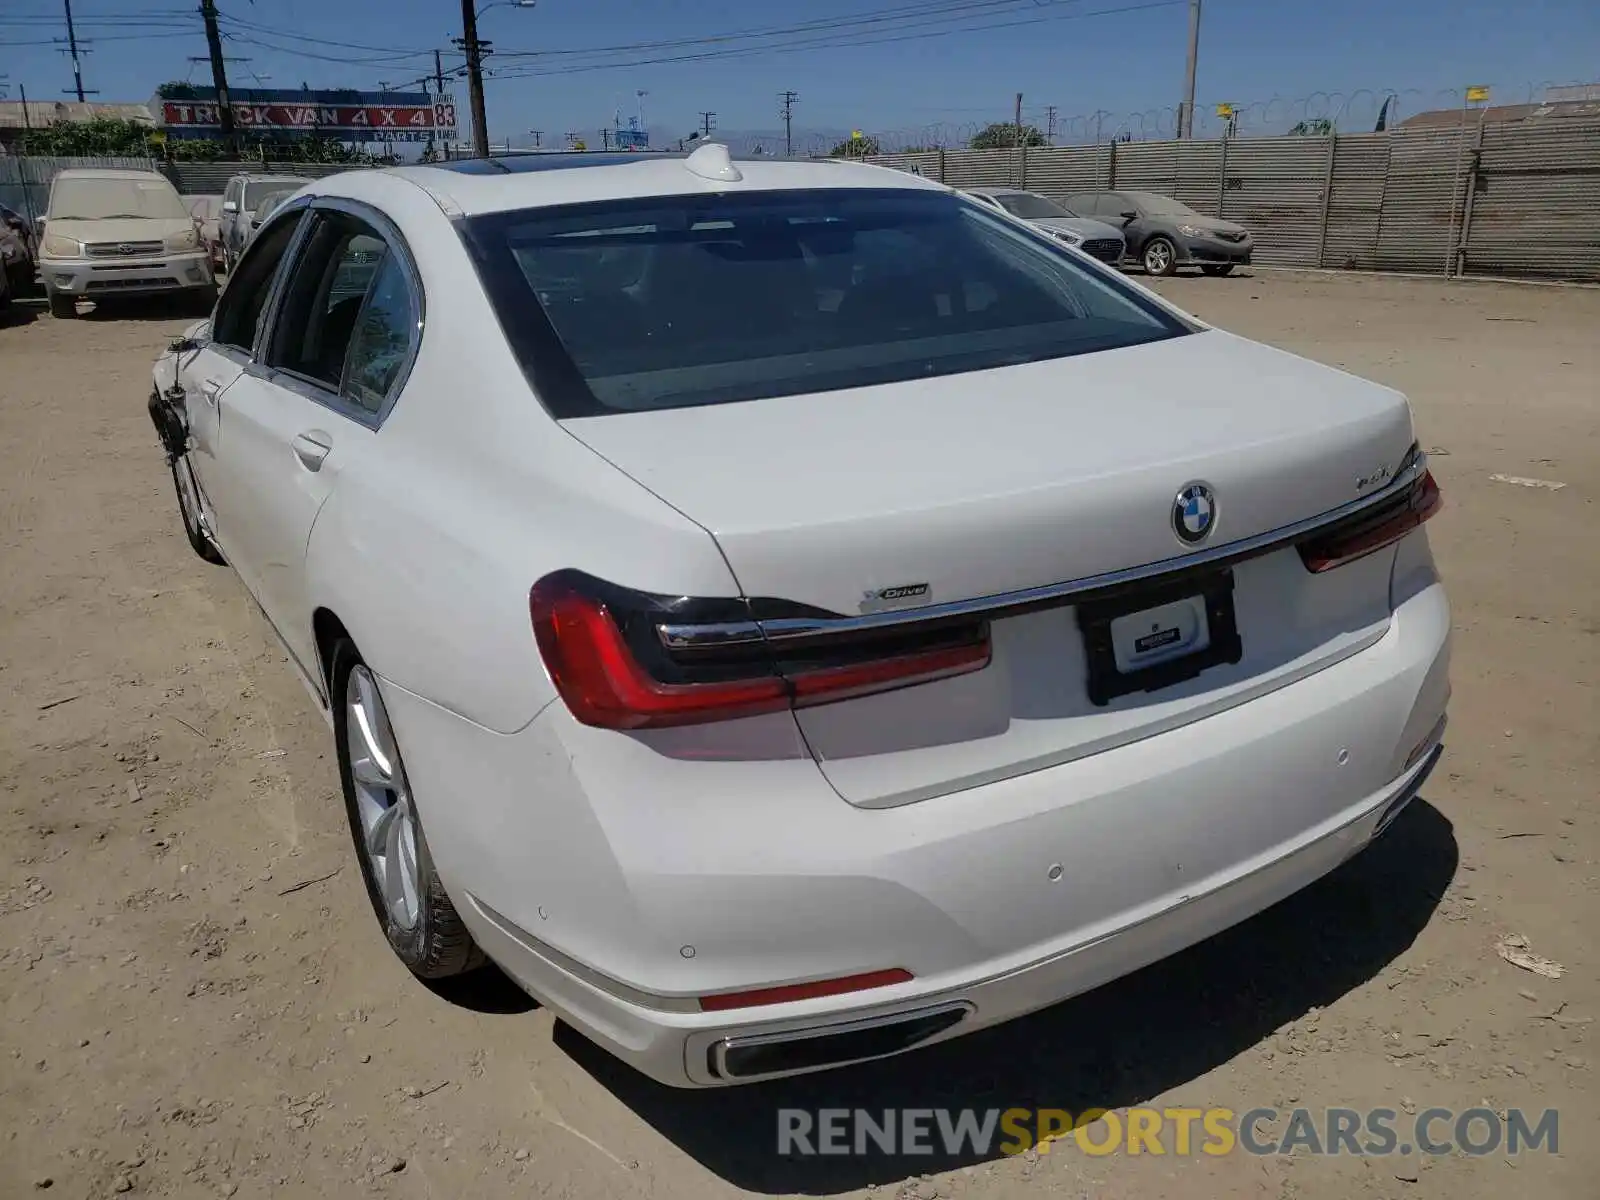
column 119, row 233
column 1095, row 238
column 239, row 202
column 785, row 613
column 17, row 261
column 207, row 214
column 1164, row 235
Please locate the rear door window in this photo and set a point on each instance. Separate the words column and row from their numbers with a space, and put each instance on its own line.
column 350, row 320
column 324, row 297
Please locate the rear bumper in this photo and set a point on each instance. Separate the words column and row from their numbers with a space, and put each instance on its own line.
column 126, row 277
column 617, row 882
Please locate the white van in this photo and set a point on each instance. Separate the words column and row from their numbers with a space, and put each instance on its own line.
column 119, row 233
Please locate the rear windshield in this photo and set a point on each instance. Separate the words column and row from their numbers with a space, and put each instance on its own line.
column 91, row 197
column 257, row 190
column 1031, row 207
column 685, row 300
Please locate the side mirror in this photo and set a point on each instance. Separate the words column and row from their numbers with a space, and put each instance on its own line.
column 1130, row 215
column 230, row 206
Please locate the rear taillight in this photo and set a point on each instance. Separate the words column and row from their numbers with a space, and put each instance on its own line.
column 601, row 647
column 788, row 992
column 1373, row 531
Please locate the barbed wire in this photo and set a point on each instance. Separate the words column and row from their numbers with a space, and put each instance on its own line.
column 1355, row 111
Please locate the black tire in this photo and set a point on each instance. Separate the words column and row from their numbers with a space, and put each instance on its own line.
column 205, row 299
column 1218, row 270
column 1159, row 256
column 63, row 307
column 439, row 945
column 199, row 540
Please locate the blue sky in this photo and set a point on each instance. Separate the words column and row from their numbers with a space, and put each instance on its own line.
column 865, row 64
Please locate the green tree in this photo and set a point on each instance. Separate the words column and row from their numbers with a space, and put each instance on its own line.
column 177, row 89
column 1003, row 135
column 855, row 147
column 1315, row 127
column 100, row 136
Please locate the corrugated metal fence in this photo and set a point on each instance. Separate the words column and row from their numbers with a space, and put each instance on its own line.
column 1521, row 200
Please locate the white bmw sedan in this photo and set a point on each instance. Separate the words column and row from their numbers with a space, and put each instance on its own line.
column 785, row 614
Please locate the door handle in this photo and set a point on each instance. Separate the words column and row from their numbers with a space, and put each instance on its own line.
column 211, row 389
column 311, row 448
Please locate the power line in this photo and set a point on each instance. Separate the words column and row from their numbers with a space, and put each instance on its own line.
column 879, row 16
column 252, row 27
column 827, row 41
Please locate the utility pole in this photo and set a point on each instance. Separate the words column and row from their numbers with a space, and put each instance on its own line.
column 708, row 122
column 537, row 134
column 1016, row 137
column 438, row 74
column 1186, row 112
column 219, row 72
column 475, row 51
column 789, row 99
column 72, row 49
column 1050, row 124
column 605, row 138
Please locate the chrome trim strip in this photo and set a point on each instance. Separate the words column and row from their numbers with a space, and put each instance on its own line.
column 719, row 1049
column 704, row 637
column 793, row 629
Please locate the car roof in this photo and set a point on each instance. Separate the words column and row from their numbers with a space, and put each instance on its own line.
column 1001, row 191
column 108, row 173
column 475, row 186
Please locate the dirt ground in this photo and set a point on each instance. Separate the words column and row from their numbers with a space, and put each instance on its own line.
column 197, row 1002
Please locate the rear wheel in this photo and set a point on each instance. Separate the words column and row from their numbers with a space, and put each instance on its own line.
column 418, row 919
column 61, row 306
column 1218, row 269
column 1160, row 256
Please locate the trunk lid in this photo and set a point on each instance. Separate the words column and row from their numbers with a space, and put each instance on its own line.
column 990, row 482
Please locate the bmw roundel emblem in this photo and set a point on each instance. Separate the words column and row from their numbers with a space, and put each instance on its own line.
column 1194, row 513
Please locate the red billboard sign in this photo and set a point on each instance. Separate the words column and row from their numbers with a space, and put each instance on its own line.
column 362, row 118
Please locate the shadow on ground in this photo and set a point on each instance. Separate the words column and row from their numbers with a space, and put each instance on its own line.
column 23, row 310
column 487, row 990
column 159, row 307
column 1121, row 1045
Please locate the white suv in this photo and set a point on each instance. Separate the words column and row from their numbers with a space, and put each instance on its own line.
column 115, row 233
column 785, row 613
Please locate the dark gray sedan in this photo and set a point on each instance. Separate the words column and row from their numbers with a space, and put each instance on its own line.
column 1163, row 234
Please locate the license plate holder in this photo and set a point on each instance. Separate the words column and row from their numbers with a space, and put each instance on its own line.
column 1195, row 610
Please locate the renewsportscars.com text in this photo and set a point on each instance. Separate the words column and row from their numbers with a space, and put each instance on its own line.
column 1179, row 1132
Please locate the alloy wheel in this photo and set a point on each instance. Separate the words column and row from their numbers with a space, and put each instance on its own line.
column 383, row 799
